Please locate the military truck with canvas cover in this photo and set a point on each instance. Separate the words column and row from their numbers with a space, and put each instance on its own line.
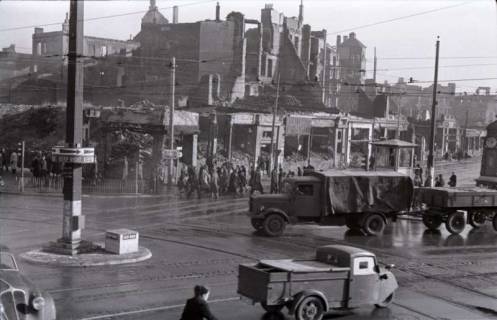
column 359, row 199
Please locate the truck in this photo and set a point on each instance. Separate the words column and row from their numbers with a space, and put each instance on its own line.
column 362, row 200
column 340, row 277
column 449, row 205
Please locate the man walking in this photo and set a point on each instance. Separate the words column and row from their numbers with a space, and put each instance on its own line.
column 197, row 308
column 453, row 180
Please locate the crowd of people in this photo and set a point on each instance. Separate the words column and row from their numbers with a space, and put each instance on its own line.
column 439, row 179
column 230, row 179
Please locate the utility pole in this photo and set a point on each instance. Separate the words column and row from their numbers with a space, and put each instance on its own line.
column 275, row 110
column 72, row 220
column 431, row 155
column 171, row 121
column 398, row 115
column 23, row 147
column 374, row 67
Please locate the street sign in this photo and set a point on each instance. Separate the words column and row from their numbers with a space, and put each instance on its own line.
column 171, row 154
column 74, row 155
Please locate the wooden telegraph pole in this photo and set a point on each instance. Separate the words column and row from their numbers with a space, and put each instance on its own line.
column 171, row 122
column 274, row 162
column 431, row 155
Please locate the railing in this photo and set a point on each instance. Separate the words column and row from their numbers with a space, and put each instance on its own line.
column 55, row 183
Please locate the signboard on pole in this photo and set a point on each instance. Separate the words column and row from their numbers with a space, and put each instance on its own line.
column 74, row 155
column 171, row 154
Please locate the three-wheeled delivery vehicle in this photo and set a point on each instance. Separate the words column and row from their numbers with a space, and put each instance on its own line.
column 340, row 277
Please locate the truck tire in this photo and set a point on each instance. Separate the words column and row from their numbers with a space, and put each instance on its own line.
column 311, row 308
column 374, row 224
column 274, row 308
column 494, row 221
column 476, row 218
column 455, row 223
column 385, row 303
column 256, row 223
column 432, row 222
column 273, row 225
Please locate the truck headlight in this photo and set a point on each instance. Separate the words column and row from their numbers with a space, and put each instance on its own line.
column 38, row 303
column 261, row 208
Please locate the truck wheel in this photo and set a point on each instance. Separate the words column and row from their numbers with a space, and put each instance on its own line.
column 494, row 221
column 311, row 308
column 374, row 224
column 385, row 303
column 476, row 219
column 256, row 223
column 274, row 225
column 432, row 222
column 275, row 308
column 455, row 222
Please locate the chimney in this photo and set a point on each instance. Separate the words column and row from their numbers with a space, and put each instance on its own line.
column 218, row 12
column 339, row 40
column 175, row 14
column 352, row 35
column 301, row 12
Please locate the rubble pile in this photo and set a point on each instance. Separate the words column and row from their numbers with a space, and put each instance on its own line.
column 41, row 127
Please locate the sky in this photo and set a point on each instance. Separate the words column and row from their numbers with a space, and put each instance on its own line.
column 404, row 32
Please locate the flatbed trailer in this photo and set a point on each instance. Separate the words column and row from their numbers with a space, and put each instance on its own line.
column 449, row 205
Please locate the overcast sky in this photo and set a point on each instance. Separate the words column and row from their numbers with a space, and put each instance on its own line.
column 467, row 29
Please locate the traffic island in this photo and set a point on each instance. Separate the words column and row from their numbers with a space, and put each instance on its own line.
column 121, row 246
column 98, row 257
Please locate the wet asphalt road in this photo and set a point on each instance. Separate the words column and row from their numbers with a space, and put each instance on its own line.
column 441, row 276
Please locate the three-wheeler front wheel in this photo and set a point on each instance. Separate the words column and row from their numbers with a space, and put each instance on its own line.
column 476, row 218
column 385, row 303
column 311, row 308
column 273, row 225
column 455, row 222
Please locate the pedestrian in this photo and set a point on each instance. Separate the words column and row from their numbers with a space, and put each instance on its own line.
column 257, row 181
column 125, row 168
column 5, row 161
column 281, row 176
column 417, row 181
column 242, row 176
column 1, row 162
column 13, row 162
column 193, row 182
column 453, row 180
column 418, row 171
column 182, row 180
column 428, row 181
column 214, row 184
column 274, row 181
column 44, row 170
column 439, row 181
column 299, row 172
column 196, row 308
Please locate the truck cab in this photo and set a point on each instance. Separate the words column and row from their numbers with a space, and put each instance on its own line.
column 299, row 200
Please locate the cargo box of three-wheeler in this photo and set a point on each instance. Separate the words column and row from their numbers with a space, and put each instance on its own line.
column 360, row 199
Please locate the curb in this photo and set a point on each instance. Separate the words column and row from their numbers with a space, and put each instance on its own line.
column 38, row 256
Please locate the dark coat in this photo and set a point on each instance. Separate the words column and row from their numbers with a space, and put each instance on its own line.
column 197, row 309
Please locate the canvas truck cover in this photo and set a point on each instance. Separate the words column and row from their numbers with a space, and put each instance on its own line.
column 366, row 191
